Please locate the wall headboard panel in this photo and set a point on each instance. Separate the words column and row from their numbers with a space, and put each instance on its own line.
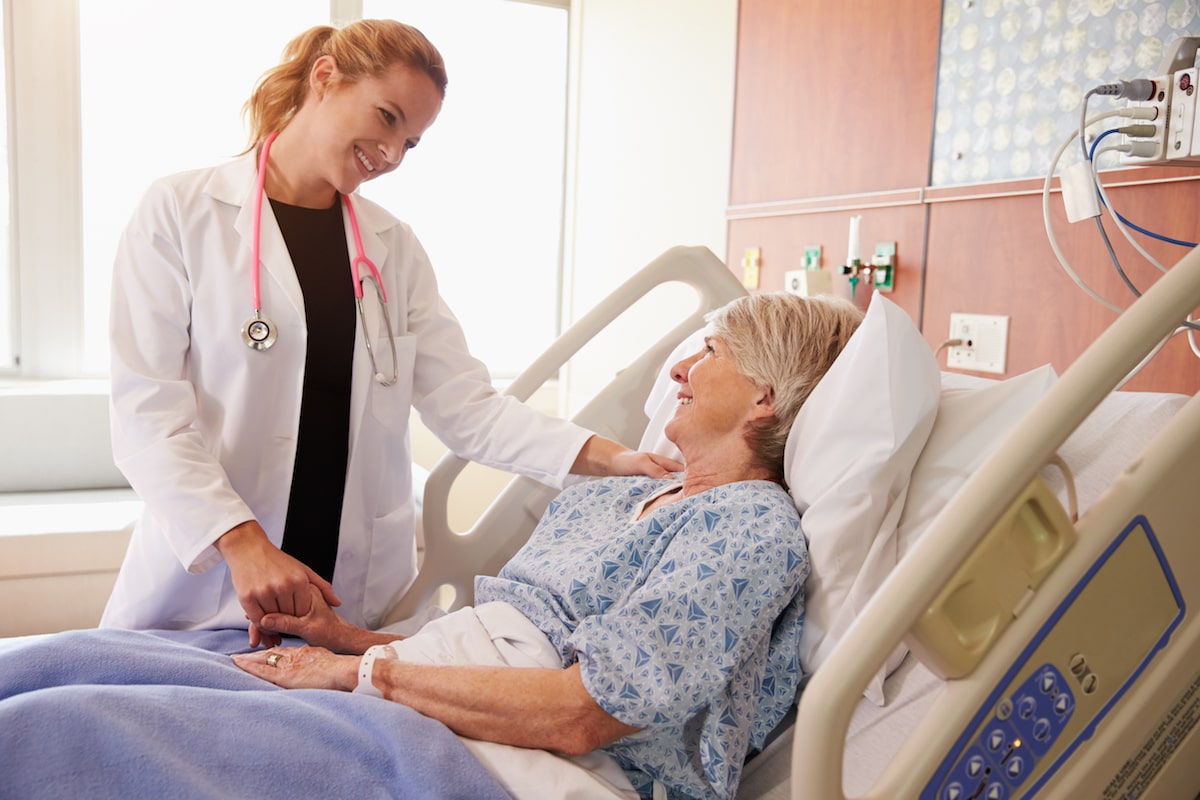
column 834, row 116
column 823, row 92
column 990, row 255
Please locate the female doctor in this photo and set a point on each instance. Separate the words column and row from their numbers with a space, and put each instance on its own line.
column 271, row 331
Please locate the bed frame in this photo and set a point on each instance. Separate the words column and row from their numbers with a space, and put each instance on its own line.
column 1112, row 628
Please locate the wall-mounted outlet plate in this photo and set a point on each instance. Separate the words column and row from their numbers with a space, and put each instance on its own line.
column 984, row 345
column 808, row 282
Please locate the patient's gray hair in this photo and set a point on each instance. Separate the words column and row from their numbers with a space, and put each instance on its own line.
column 785, row 343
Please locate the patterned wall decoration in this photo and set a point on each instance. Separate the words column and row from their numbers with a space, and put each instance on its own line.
column 1012, row 76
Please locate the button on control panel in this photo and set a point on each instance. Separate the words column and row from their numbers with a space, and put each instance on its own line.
column 1022, row 728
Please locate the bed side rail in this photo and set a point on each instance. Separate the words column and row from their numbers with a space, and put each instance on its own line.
column 829, row 700
column 453, row 559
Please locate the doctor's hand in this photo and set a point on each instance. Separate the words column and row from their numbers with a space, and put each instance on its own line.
column 600, row 456
column 268, row 580
column 323, row 628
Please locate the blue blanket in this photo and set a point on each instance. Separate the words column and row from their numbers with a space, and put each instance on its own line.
column 123, row 714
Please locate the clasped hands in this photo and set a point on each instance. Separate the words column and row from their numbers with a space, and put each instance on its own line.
column 319, row 665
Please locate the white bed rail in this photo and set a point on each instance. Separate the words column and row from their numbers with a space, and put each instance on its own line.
column 452, row 559
column 829, row 699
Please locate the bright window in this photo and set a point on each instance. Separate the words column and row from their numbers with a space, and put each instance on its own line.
column 484, row 190
column 162, row 88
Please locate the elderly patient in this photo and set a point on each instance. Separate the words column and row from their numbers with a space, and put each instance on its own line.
column 655, row 623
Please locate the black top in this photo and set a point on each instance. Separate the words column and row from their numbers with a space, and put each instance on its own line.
column 316, row 240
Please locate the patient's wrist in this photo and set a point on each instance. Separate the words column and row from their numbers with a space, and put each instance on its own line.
column 366, row 668
column 358, row 640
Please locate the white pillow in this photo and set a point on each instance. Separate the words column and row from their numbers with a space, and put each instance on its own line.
column 848, row 461
column 974, row 416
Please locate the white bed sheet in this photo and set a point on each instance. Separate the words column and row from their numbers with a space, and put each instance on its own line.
column 1099, row 450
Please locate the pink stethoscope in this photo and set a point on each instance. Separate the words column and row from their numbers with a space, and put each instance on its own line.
column 259, row 333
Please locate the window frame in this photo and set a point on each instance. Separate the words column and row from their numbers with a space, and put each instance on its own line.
column 45, row 187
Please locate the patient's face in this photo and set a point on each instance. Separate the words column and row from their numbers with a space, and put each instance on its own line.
column 715, row 399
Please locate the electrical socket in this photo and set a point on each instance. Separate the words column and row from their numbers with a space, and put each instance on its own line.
column 984, row 345
column 808, row 282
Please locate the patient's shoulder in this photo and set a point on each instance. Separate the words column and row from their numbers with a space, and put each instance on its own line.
column 760, row 496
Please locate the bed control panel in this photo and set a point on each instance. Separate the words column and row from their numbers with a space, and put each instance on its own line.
column 1077, row 667
column 1020, row 731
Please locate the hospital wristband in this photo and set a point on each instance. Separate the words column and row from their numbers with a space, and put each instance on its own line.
column 365, row 667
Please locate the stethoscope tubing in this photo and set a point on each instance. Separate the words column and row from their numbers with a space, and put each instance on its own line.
column 360, row 258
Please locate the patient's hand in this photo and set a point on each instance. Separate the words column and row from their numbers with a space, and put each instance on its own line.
column 301, row 668
column 320, row 627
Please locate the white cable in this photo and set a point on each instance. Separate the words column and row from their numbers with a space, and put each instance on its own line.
column 1137, row 245
column 1113, row 213
column 1150, row 356
column 1136, row 112
column 1058, row 253
column 1139, row 112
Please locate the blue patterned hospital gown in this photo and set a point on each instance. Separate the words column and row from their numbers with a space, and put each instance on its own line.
column 685, row 623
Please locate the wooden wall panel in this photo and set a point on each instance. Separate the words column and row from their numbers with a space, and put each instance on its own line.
column 783, row 240
column 991, row 256
column 833, row 98
column 834, row 115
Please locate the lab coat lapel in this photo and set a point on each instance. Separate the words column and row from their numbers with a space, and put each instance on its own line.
column 235, row 184
column 276, row 261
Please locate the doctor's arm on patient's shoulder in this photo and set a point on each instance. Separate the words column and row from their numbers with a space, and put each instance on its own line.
column 601, row 456
column 268, row 580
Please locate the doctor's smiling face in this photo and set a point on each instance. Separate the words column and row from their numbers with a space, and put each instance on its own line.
column 362, row 129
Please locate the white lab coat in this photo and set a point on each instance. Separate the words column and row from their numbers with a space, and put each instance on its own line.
column 205, row 428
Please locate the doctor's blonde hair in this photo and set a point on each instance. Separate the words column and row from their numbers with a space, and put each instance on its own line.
column 365, row 48
column 785, row 343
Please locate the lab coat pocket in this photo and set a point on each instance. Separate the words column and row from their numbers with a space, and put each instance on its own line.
column 392, row 565
column 390, row 405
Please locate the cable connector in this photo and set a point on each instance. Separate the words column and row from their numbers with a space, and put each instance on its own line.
column 947, row 343
column 1137, row 112
column 1140, row 149
column 1139, row 130
column 1138, row 89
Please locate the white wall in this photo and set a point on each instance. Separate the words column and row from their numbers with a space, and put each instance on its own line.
column 649, row 140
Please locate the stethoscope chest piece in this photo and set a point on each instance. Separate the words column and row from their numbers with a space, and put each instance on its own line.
column 259, row 332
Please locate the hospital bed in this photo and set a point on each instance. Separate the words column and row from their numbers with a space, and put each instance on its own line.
column 1049, row 656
